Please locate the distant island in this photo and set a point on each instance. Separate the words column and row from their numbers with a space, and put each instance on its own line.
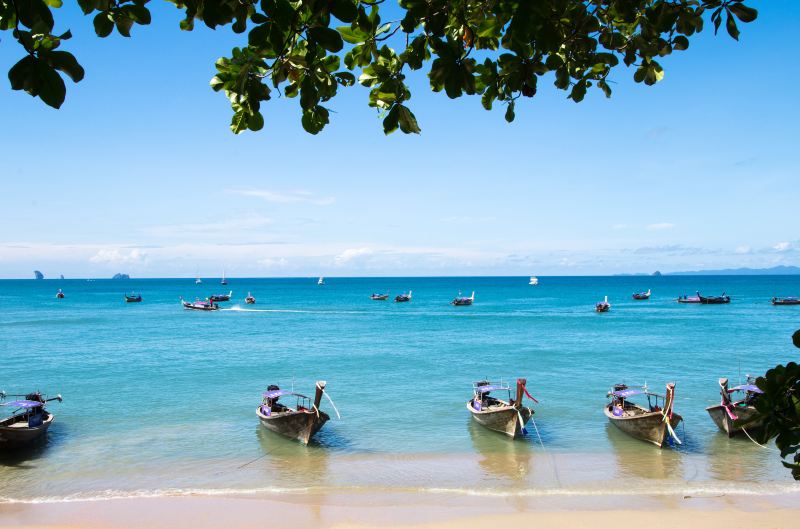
column 781, row 270
column 121, row 276
column 38, row 275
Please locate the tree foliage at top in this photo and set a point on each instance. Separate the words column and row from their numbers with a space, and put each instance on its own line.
column 780, row 407
column 497, row 49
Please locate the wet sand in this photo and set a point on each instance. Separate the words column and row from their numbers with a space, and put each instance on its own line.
column 410, row 510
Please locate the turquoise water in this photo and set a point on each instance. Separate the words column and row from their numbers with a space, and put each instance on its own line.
column 160, row 400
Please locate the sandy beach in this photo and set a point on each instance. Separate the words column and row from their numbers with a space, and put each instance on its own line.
column 410, row 510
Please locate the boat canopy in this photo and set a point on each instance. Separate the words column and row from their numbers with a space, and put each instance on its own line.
column 278, row 393
column 27, row 404
column 487, row 389
column 750, row 388
column 625, row 393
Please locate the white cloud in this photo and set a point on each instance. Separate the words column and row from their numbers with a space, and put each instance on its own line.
column 743, row 250
column 350, row 254
column 114, row 256
column 271, row 262
column 783, row 247
column 661, row 226
column 284, row 197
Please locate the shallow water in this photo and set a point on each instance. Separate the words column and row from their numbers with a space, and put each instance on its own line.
column 160, row 400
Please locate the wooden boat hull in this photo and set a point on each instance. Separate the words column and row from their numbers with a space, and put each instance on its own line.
column 747, row 418
column 688, row 300
column 299, row 425
column 250, row 301
column 505, row 420
column 190, row 306
column 133, row 300
column 17, row 434
column 786, row 301
column 649, row 427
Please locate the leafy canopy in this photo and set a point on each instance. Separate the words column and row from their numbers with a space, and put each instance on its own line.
column 780, row 407
column 307, row 49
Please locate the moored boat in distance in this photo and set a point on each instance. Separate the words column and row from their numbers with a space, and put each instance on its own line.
column 133, row 297
column 791, row 300
column 653, row 423
column 321, row 281
column 733, row 416
column 505, row 416
column 223, row 281
column 403, row 298
column 688, row 299
column 714, row 300
column 461, row 301
column 379, row 297
column 250, row 300
column 29, row 420
column 642, row 295
column 197, row 280
column 60, row 294
column 534, row 281
column 199, row 305
column 221, row 297
column 300, row 422
column 603, row 306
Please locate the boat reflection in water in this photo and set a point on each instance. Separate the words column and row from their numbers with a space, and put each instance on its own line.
column 638, row 460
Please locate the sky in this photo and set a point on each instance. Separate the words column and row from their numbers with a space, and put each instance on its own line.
column 139, row 173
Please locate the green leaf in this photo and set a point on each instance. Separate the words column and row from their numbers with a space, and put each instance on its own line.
column 353, row 36
column 730, row 25
column 344, row 10
column 255, row 122
column 391, row 121
column 796, row 339
column 124, row 25
column 65, row 62
column 327, row 37
column 680, row 43
column 743, row 13
column 315, row 119
column 510, row 112
column 103, row 26
column 407, row 120
column 239, row 122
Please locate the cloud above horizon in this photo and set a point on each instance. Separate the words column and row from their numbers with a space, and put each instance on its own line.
column 284, row 197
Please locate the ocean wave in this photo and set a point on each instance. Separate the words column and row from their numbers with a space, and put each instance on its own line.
column 698, row 490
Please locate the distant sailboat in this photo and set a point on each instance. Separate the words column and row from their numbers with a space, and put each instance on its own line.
column 197, row 281
column 321, row 281
column 224, row 281
column 534, row 281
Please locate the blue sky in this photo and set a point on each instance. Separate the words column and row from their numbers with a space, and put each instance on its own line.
column 138, row 172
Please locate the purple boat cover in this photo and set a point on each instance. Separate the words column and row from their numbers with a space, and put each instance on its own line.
column 486, row 389
column 625, row 393
column 752, row 388
column 278, row 393
column 27, row 404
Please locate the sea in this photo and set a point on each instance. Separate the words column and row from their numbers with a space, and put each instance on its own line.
column 161, row 401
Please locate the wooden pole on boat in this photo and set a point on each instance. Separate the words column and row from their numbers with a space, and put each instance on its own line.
column 318, row 395
column 520, row 391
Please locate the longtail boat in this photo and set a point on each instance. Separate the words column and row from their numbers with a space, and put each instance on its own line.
column 731, row 415
column 29, row 420
column 642, row 295
column 379, row 297
column 653, row 423
column 133, row 298
column 714, row 300
column 786, row 301
column 250, row 300
column 603, row 306
column 403, row 298
column 60, row 294
column 688, row 299
column 461, row 301
column 505, row 416
column 221, row 297
column 300, row 422
column 199, row 305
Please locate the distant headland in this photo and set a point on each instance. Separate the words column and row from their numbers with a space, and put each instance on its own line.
column 38, row 275
column 121, row 276
column 781, row 270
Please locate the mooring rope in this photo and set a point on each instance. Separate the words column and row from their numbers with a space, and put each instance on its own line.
column 759, row 444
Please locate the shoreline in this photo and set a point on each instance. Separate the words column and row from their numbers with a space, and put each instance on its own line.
column 409, row 510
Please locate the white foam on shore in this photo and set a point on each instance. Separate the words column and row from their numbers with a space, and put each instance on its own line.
column 686, row 489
